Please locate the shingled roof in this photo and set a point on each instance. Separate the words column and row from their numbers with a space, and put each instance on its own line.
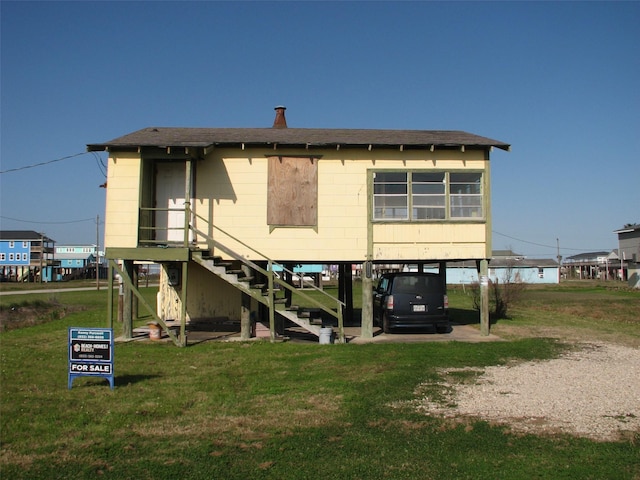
column 23, row 235
column 297, row 137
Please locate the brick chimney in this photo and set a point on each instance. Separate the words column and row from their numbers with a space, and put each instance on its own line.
column 280, row 121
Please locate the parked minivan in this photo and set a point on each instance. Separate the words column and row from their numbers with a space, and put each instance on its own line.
column 411, row 300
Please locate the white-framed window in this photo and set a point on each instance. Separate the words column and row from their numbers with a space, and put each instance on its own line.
column 25, row 256
column 25, row 244
column 11, row 257
column 12, row 244
column 540, row 272
column 465, row 195
column 3, row 257
column 427, row 195
column 390, row 196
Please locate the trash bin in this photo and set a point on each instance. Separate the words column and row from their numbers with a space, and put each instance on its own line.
column 326, row 335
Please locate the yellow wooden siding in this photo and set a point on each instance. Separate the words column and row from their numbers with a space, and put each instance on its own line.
column 123, row 193
column 433, row 241
column 232, row 192
column 208, row 297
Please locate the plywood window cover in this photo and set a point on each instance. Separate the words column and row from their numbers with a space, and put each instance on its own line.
column 292, row 199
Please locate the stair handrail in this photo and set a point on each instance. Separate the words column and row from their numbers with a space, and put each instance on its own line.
column 270, row 273
column 239, row 257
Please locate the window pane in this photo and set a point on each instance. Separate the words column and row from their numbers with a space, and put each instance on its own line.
column 428, row 188
column 429, row 177
column 428, row 201
column 390, row 208
column 390, row 189
column 385, row 177
column 465, row 183
column 465, row 177
column 428, row 213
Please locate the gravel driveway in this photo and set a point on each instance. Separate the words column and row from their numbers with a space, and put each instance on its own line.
column 593, row 391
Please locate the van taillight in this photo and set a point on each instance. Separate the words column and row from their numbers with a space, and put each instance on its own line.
column 390, row 302
column 446, row 301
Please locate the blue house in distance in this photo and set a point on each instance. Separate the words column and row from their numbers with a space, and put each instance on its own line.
column 78, row 262
column 26, row 256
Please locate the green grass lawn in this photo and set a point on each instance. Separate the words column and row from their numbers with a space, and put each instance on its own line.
column 289, row 410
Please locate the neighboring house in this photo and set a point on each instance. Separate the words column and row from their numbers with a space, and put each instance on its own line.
column 78, row 262
column 592, row 265
column 629, row 252
column 506, row 267
column 26, row 256
column 199, row 200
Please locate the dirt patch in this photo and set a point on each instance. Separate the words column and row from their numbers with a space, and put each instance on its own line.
column 592, row 392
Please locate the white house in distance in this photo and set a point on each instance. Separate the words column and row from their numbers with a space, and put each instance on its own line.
column 507, row 266
column 219, row 208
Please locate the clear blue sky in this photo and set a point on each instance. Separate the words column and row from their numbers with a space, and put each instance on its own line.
column 560, row 82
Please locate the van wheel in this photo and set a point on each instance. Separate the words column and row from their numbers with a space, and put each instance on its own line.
column 443, row 328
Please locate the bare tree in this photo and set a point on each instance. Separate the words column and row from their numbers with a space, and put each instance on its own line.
column 502, row 293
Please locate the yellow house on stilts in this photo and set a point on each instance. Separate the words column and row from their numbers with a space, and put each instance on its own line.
column 228, row 212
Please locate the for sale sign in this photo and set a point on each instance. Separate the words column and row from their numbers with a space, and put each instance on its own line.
column 90, row 353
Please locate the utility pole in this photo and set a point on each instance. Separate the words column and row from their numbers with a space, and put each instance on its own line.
column 98, row 252
column 559, row 257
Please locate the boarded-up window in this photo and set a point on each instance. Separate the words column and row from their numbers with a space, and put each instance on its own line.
column 293, row 191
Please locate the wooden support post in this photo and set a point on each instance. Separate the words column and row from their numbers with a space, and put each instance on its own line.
column 484, row 297
column 367, row 302
column 348, row 290
column 245, row 317
column 127, row 303
column 135, row 279
column 272, row 305
column 288, row 294
column 183, row 306
column 110, row 295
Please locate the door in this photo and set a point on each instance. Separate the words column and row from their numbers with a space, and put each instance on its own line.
column 170, row 202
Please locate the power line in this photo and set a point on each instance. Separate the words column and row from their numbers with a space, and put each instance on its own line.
column 100, row 163
column 43, row 163
column 548, row 246
column 49, row 223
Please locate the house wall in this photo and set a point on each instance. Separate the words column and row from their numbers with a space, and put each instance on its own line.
column 232, row 192
column 468, row 275
column 207, row 297
column 629, row 243
column 123, row 194
column 15, row 252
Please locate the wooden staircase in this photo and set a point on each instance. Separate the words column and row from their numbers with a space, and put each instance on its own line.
column 243, row 280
